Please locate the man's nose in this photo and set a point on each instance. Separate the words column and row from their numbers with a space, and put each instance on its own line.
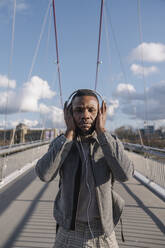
column 85, row 114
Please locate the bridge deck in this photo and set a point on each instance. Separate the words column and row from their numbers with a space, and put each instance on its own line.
column 26, row 208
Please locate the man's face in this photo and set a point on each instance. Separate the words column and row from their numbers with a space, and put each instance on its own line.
column 85, row 109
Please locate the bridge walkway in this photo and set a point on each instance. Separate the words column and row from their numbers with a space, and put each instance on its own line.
column 26, row 221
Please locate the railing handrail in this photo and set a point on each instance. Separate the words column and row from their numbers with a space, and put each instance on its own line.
column 6, row 150
column 134, row 147
column 146, row 149
column 21, row 144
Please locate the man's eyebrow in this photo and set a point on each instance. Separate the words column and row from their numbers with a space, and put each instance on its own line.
column 87, row 106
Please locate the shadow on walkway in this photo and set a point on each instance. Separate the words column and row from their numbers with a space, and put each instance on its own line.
column 146, row 209
column 14, row 236
column 9, row 194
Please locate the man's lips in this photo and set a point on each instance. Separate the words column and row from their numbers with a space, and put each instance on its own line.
column 85, row 125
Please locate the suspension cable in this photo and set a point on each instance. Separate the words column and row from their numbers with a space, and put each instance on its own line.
column 39, row 41
column 142, row 62
column 38, row 45
column 142, row 58
column 119, row 55
column 116, row 44
column 43, row 120
column 57, row 53
column 99, row 41
column 49, row 32
column 9, row 68
column 144, row 79
column 9, row 73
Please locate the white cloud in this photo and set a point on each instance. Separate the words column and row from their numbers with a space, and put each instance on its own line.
column 8, row 102
column 151, row 52
column 140, row 107
column 159, row 123
column 5, row 82
column 151, row 112
column 44, row 109
column 13, row 124
column 114, row 104
column 127, row 92
column 140, row 70
column 157, row 91
column 30, row 123
column 32, row 92
column 122, row 88
column 52, row 116
column 26, row 98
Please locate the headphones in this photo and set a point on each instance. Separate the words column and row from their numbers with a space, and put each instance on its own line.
column 70, row 98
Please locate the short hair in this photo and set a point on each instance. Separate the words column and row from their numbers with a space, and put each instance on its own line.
column 84, row 92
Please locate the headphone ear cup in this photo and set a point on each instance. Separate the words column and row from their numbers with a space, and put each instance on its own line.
column 68, row 107
column 65, row 104
column 70, row 98
column 71, row 111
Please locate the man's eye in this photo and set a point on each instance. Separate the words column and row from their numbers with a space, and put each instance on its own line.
column 91, row 110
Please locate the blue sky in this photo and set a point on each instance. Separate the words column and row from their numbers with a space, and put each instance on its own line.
column 35, row 100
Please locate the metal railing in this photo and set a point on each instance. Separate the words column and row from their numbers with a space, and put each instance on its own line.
column 149, row 161
column 145, row 149
column 7, row 150
column 15, row 157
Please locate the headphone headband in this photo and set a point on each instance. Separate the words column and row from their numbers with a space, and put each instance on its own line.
column 76, row 91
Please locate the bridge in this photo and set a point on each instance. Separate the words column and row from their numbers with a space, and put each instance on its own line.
column 26, row 203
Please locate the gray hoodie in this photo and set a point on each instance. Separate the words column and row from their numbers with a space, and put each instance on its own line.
column 108, row 160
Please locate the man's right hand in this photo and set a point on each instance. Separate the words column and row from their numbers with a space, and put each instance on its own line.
column 70, row 124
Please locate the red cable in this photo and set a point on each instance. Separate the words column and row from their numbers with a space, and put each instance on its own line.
column 58, row 66
column 99, row 41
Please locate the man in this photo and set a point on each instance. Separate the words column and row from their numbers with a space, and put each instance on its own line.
column 88, row 159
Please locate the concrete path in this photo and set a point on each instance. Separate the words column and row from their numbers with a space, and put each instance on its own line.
column 26, row 221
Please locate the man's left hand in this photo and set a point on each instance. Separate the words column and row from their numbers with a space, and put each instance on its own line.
column 101, row 118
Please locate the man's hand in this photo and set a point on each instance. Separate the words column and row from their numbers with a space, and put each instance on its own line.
column 101, row 118
column 68, row 117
